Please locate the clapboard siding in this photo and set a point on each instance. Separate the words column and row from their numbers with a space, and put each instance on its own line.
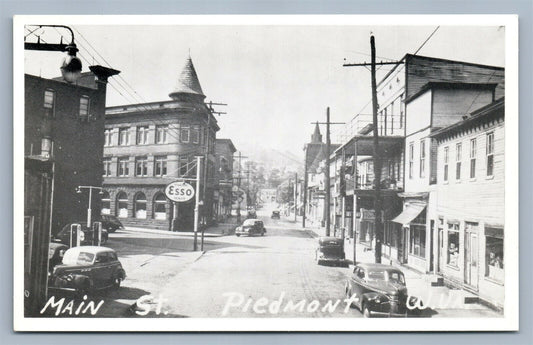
column 482, row 197
column 421, row 70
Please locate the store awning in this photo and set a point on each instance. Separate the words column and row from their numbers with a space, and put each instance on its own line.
column 409, row 213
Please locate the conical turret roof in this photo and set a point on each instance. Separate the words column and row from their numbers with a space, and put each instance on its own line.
column 316, row 137
column 188, row 83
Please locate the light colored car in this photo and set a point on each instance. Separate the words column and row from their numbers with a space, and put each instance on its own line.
column 251, row 227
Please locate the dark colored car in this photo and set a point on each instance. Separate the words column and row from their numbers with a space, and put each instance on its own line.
column 275, row 214
column 55, row 254
column 379, row 289
column 252, row 214
column 330, row 249
column 85, row 269
column 89, row 236
column 251, row 227
column 111, row 223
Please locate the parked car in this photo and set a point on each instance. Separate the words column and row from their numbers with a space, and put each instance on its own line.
column 330, row 249
column 55, row 254
column 251, row 227
column 275, row 214
column 111, row 223
column 85, row 269
column 380, row 290
column 88, row 238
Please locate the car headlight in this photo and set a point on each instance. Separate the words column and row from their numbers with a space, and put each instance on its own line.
column 69, row 277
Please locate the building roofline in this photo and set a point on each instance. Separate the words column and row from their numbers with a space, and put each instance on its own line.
column 228, row 141
column 62, row 82
column 477, row 115
column 434, row 59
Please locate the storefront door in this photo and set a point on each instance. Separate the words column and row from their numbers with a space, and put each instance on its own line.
column 440, row 251
column 471, row 259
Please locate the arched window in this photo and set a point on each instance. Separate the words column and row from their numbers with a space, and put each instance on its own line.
column 139, row 204
column 122, row 205
column 106, row 203
column 160, row 207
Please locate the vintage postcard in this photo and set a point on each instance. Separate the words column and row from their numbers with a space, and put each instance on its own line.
column 266, row 173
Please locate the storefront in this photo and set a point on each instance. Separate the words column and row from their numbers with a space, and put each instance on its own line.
column 413, row 248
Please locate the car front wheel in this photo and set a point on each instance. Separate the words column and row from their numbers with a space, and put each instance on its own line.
column 366, row 312
column 116, row 282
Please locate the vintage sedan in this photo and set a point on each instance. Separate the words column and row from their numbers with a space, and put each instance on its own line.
column 88, row 268
column 379, row 290
column 331, row 250
column 251, row 227
column 88, row 236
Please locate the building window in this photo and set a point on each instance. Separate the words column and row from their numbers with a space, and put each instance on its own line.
column 446, row 159
column 123, row 167
column 458, row 157
column 401, row 111
column 84, row 107
column 161, row 134
column 139, row 204
column 453, row 244
column 411, row 158
column 195, row 135
column 473, row 151
column 417, row 245
column 494, row 253
column 422, row 158
column 108, row 137
column 185, row 134
column 184, row 166
column 107, row 166
column 106, row 203
column 142, row 135
column 49, row 103
column 160, row 167
column 160, row 207
column 124, row 136
column 141, row 166
column 122, row 205
column 490, row 154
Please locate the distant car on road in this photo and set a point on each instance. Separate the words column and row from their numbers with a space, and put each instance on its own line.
column 89, row 237
column 251, row 227
column 85, row 269
column 330, row 249
column 251, row 214
column 380, row 289
column 275, row 214
column 111, row 223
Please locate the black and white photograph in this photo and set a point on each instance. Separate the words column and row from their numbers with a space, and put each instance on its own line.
column 266, row 173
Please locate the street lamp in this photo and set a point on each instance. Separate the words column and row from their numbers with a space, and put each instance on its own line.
column 71, row 64
column 89, row 210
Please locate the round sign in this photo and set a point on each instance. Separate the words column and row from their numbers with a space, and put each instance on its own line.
column 179, row 191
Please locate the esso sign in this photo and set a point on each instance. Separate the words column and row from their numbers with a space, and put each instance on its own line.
column 179, row 191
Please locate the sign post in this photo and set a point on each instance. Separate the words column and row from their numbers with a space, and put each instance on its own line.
column 197, row 202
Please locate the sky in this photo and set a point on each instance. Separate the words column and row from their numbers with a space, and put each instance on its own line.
column 275, row 80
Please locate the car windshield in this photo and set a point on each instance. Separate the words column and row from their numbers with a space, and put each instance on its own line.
column 249, row 222
column 396, row 277
column 85, row 258
column 376, row 275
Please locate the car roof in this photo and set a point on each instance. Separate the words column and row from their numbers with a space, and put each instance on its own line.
column 90, row 249
column 371, row 266
column 329, row 238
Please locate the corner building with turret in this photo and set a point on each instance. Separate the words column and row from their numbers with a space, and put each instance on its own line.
column 150, row 145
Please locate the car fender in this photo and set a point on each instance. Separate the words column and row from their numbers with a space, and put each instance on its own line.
column 369, row 298
column 81, row 280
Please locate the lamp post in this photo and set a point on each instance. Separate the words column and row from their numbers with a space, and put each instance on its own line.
column 89, row 210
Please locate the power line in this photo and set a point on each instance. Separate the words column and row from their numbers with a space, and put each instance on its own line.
column 427, row 39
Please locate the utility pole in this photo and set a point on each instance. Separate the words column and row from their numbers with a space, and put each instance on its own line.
column 239, row 188
column 197, row 201
column 328, row 153
column 305, row 191
column 378, row 224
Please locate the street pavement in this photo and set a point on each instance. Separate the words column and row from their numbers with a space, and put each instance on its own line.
column 261, row 276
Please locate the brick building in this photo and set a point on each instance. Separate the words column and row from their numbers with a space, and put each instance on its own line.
column 224, row 150
column 63, row 148
column 149, row 145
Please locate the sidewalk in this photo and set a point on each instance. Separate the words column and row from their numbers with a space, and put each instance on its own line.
column 221, row 229
column 418, row 284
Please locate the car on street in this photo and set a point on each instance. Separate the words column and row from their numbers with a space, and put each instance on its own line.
column 251, row 227
column 379, row 290
column 251, row 214
column 331, row 250
column 275, row 214
column 86, row 269
column 111, row 223
column 55, row 254
column 88, row 237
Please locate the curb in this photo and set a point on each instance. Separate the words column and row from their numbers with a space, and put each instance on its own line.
column 172, row 233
